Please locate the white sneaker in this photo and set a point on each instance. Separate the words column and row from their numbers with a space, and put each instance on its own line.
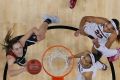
column 54, row 19
column 115, row 57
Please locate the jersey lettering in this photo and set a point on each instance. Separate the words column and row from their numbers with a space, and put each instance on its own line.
column 98, row 34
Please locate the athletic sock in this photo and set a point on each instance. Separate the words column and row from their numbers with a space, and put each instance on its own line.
column 48, row 21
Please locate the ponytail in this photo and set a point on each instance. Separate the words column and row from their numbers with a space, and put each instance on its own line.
column 7, row 41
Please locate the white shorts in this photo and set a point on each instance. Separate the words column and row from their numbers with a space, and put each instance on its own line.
column 107, row 52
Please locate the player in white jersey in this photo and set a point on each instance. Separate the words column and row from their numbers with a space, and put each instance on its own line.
column 112, row 53
column 96, row 30
column 87, row 65
column 101, row 28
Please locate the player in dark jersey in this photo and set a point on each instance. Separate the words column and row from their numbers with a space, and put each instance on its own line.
column 16, row 47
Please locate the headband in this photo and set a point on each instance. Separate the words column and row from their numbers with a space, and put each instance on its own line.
column 114, row 25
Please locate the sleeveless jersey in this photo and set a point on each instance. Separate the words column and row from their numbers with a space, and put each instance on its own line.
column 97, row 66
column 96, row 30
column 21, row 60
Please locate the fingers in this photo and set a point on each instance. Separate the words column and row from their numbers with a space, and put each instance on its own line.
column 25, row 64
column 24, row 68
column 96, row 43
column 77, row 33
column 69, row 59
column 95, row 40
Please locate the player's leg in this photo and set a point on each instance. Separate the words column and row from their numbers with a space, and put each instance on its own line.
column 107, row 52
column 100, row 65
column 43, row 27
column 113, row 54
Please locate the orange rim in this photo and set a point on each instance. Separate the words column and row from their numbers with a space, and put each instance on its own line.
column 49, row 48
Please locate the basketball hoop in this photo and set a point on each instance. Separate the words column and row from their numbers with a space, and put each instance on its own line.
column 55, row 62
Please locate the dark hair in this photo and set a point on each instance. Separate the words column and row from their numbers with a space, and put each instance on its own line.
column 9, row 41
column 117, row 24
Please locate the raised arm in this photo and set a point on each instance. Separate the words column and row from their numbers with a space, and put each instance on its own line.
column 84, row 20
column 98, row 20
column 28, row 34
column 11, row 70
column 111, row 39
column 40, row 33
column 80, row 54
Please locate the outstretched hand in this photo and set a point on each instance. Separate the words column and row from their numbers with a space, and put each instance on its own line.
column 96, row 43
column 24, row 67
column 69, row 59
column 77, row 33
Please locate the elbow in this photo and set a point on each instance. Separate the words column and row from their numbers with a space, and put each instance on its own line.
column 11, row 74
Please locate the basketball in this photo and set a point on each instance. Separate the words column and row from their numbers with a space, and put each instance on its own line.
column 34, row 66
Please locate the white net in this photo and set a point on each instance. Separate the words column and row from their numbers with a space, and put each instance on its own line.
column 55, row 61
